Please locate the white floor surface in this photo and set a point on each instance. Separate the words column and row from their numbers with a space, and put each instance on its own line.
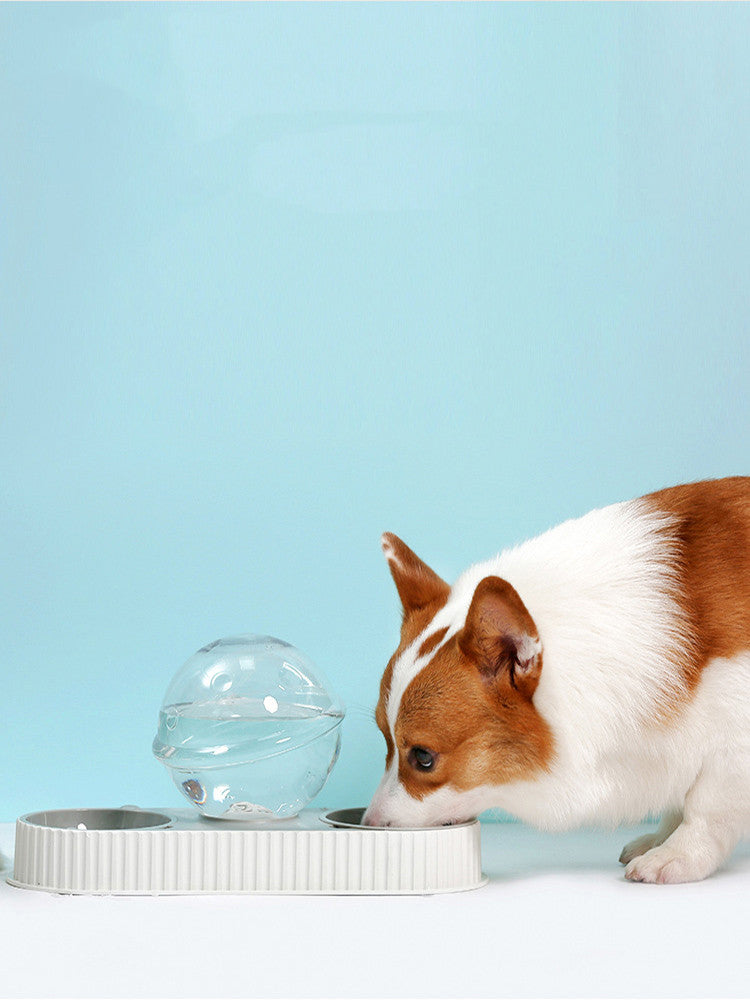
column 556, row 920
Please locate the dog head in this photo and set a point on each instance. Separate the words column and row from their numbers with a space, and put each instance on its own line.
column 456, row 699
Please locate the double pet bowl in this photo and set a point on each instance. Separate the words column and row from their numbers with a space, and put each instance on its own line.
column 132, row 852
column 249, row 731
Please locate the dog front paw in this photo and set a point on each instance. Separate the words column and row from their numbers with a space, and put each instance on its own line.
column 666, row 866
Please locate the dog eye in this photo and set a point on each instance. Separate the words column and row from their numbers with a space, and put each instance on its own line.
column 423, row 760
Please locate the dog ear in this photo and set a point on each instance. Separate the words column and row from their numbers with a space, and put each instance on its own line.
column 416, row 583
column 500, row 636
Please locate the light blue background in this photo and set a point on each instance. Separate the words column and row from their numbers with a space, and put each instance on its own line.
column 278, row 278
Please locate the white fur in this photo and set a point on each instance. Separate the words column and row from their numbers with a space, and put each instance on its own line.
column 601, row 592
column 388, row 551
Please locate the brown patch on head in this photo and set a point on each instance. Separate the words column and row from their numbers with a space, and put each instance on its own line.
column 472, row 707
column 712, row 535
column 412, row 626
column 432, row 641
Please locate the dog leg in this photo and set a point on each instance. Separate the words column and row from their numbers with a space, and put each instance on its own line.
column 715, row 816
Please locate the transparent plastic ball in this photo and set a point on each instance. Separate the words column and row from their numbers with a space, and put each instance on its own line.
column 249, row 729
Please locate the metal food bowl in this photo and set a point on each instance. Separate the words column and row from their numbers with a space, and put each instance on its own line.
column 97, row 819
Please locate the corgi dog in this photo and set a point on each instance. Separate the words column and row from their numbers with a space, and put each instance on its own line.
column 596, row 674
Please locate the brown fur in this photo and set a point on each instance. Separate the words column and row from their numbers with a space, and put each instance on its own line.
column 483, row 729
column 432, row 642
column 713, row 537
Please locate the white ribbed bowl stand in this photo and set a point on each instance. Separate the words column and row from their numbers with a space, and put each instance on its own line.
column 197, row 855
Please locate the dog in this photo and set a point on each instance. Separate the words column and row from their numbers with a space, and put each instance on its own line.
column 596, row 674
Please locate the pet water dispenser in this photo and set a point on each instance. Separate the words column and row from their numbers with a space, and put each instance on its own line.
column 249, row 730
column 249, row 727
